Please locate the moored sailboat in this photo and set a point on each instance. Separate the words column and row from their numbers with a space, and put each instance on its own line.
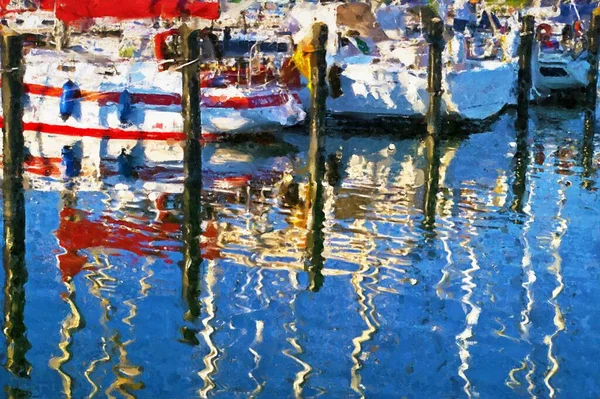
column 561, row 61
column 115, row 93
column 383, row 77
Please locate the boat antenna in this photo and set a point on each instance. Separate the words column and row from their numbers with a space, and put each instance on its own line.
column 576, row 10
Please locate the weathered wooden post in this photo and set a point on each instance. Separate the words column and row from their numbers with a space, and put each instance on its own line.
column 524, row 75
column 190, row 103
column 15, row 271
column 524, row 86
column 316, row 157
column 192, row 167
column 434, row 120
column 594, row 39
column 434, row 76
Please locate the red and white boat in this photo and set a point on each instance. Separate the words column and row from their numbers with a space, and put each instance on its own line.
column 92, row 96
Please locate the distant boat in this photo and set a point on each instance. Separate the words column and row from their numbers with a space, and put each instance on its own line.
column 560, row 61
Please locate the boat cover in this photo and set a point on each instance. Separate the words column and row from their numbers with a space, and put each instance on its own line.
column 74, row 10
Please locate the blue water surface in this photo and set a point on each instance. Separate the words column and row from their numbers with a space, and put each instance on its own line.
column 498, row 300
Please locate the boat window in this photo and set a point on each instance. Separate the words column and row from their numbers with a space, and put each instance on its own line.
column 239, row 48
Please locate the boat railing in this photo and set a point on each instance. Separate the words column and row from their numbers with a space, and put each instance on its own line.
column 564, row 43
column 482, row 48
column 254, row 57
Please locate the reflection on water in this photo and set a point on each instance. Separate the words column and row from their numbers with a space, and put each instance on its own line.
column 418, row 268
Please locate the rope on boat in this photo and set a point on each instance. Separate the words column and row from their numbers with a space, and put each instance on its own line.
column 187, row 64
column 9, row 70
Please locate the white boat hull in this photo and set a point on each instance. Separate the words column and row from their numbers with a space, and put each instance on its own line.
column 477, row 92
column 559, row 72
column 155, row 113
column 151, row 139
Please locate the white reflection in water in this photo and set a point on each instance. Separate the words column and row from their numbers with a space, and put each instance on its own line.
column 556, row 270
column 528, row 281
column 464, row 340
column 210, row 360
column 367, row 314
column 447, row 228
column 301, row 377
column 260, row 325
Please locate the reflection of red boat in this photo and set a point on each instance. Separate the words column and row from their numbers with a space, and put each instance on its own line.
column 79, row 231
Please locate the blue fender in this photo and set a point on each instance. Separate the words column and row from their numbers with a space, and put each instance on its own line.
column 68, row 98
column 125, row 106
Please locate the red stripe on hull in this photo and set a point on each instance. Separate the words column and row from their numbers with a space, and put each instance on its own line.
column 251, row 102
column 207, row 101
column 108, row 133
column 104, row 98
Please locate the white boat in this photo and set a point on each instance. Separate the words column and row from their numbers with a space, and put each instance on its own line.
column 387, row 78
column 117, row 93
column 560, row 54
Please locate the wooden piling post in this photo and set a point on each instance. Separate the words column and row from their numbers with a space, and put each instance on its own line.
column 525, row 75
column 435, row 33
column 12, row 108
column 14, row 205
column 316, row 157
column 594, row 45
column 190, row 103
column 192, row 167
column 434, row 75
column 318, row 98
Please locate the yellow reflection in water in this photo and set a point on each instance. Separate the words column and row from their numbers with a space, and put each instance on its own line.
column 100, row 281
column 69, row 326
column 126, row 374
column 302, row 375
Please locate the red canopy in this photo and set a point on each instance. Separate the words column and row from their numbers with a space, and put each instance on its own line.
column 73, row 10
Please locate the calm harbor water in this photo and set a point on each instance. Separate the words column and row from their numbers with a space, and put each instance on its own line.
column 498, row 299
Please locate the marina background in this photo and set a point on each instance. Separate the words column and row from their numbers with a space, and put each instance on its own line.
column 421, row 258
